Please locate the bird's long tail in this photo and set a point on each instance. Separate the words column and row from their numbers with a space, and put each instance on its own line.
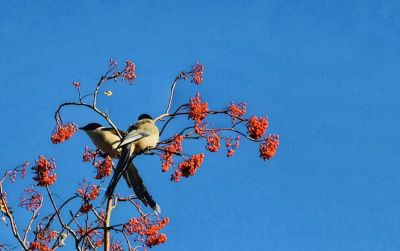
column 123, row 162
column 135, row 182
column 126, row 169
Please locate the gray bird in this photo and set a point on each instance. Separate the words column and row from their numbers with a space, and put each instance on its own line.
column 141, row 136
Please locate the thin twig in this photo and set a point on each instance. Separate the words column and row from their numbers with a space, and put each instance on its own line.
column 171, row 96
column 62, row 205
column 63, row 225
column 10, row 216
column 95, row 109
column 34, row 216
column 127, row 241
column 56, row 243
column 172, row 116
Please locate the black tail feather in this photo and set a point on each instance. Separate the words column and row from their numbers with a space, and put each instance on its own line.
column 123, row 162
column 126, row 169
column 136, row 182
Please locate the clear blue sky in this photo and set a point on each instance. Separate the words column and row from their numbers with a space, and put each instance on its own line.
column 325, row 72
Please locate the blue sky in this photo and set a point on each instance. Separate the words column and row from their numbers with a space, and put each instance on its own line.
column 325, row 72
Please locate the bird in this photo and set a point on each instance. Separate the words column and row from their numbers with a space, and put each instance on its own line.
column 141, row 135
column 105, row 139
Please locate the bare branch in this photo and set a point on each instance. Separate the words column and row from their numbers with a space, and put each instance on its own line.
column 107, row 238
column 10, row 216
column 95, row 109
column 65, row 226
column 34, row 216
column 171, row 96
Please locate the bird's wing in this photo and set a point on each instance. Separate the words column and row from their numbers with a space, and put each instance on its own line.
column 133, row 136
column 134, row 181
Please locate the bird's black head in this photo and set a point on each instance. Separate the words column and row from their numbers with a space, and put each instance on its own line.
column 90, row 127
column 145, row 116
